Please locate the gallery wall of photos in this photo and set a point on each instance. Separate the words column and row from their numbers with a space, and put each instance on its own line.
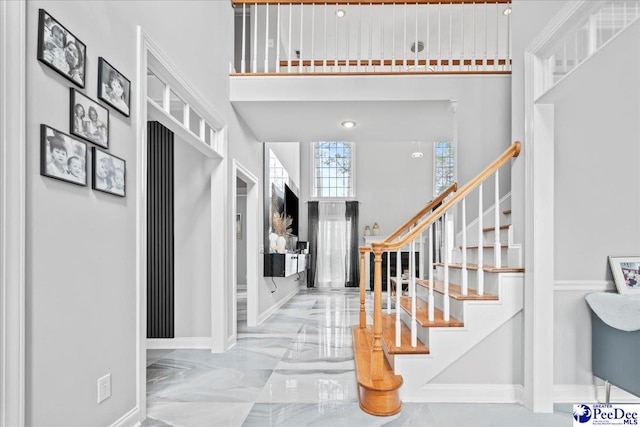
column 63, row 155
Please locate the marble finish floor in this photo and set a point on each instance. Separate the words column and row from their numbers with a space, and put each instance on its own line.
column 297, row 369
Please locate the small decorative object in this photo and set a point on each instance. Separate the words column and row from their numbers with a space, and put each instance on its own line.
column 113, row 87
column 273, row 240
column 62, row 157
column 239, row 226
column 281, row 245
column 108, row 173
column 367, row 230
column 89, row 120
column 626, row 274
column 376, row 229
column 281, row 226
column 61, row 50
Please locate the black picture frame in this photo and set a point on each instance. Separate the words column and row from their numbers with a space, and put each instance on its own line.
column 57, row 47
column 81, row 123
column 109, row 173
column 108, row 76
column 70, row 166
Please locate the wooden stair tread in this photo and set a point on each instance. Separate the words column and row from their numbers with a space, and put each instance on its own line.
column 502, row 227
column 503, row 246
column 488, row 268
column 389, row 337
column 506, row 211
column 422, row 314
column 455, row 291
column 362, row 339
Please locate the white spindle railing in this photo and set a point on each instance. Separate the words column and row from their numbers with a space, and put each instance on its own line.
column 398, row 295
column 480, row 271
column 463, row 272
column 497, row 246
column 414, row 295
column 389, row 282
column 304, row 28
column 445, row 297
column 431, row 302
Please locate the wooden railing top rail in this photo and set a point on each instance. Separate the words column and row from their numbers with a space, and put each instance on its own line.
column 368, row 2
column 430, row 205
column 512, row 151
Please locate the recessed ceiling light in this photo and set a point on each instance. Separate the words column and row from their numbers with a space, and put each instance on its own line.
column 348, row 124
column 507, row 11
column 340, row 13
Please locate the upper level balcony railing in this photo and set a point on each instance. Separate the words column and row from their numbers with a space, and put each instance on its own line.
column 378, row 36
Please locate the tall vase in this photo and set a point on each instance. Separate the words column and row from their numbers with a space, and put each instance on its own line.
column 281, row 244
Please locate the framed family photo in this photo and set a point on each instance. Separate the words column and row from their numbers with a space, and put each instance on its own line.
column 59, row 49
column 62, row 157
column 113, row 87
column 626, row 274
column 108, row 173
column 88, row 119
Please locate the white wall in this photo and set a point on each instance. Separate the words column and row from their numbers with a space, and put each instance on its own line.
column 597, row 189
column 192, row 241
column 81, row 272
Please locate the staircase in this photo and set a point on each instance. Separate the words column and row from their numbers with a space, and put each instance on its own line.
column 464, row 297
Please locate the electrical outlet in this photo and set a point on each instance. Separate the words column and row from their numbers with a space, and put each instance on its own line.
column 104, row 387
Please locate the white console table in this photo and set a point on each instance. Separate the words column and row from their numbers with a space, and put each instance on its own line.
column 367, row 262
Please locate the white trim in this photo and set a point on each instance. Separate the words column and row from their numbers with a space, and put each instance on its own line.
column 178, row 342
column 471, row 393
column 12, row 212
column 264, row 316
column 253, row 218
column 583, row 286
column 130, row 419
column 581, row 393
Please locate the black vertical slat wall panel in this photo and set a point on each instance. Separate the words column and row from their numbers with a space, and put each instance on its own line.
column 160, row 257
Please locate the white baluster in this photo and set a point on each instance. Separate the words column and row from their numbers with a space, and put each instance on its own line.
column 254, row 63
column 498, row 13
column 382, row 38
column 346, row 42
column 404, row 44
column 266, row 39
column 243, row 62
column 462, row 36
column 450, row 67
column 370, row 35
column 439, row 61
column 415, row 43
column 486, row 35
column 445, row 298
column 398, row 296
column 326, row 36
column 414, row 296
column 313, row 38
column 278, row 41
column 430, row 266
column 388, row 282
column 335, row 64
column 393, row 38
column 421, row 256
column 300, row 62
column 465, row 284
column 428, row 64
column 289, row 53
column 508, row 39
column 480, row 243
column 359, row 59
column 497, row 249
column 473, row 49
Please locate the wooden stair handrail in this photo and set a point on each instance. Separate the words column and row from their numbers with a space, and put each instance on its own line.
column 512, row 151
column 367, row 2
column 430, row 205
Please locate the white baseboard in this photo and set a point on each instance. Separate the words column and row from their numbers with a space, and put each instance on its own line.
column 579, row 393
column 130, row 419
column 264, row 316
column 583, row 285
column 179, row 342
column 468, row 393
